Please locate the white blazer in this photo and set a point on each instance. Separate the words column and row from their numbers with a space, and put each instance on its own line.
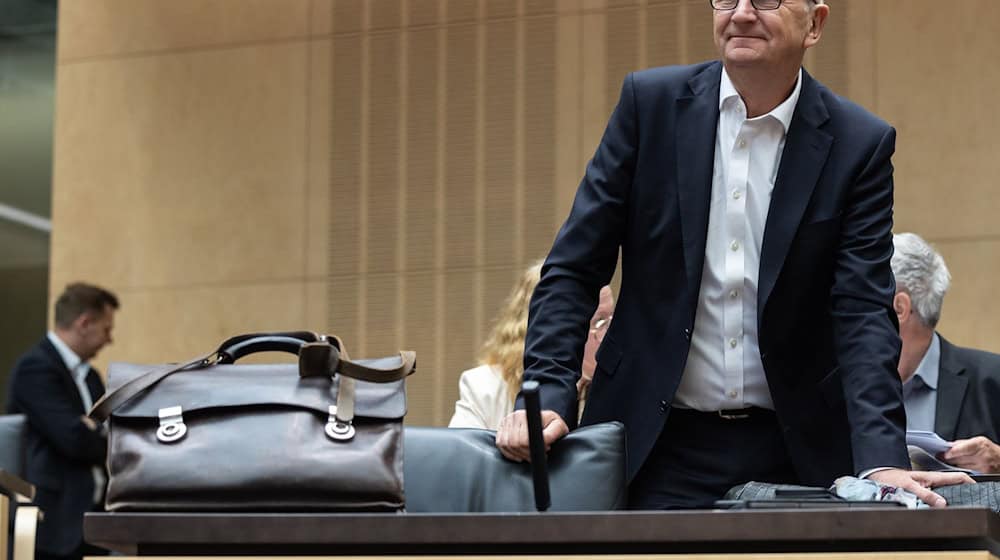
column 483, row 399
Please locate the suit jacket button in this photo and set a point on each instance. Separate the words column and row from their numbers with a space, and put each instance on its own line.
column 687, row 334
column 663, row 407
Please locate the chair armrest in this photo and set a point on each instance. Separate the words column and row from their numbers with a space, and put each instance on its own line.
column 16, row 487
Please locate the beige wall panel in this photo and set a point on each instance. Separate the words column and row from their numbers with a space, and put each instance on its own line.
column 168, row 325
column 862, row 71
column 181, row 169
column 96, row 28
column 569, row 157
column 542, row 140
column 318, row 192
column 498, row 132
column 969, row 317
column 321, row 17
column 421, row 334
column 576, row 6
column 940, row 99
column 423, row 213
column 424, row 12
column 593, row 84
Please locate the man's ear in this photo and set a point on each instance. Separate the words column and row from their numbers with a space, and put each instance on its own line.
column 817, row 21
column 902, row 305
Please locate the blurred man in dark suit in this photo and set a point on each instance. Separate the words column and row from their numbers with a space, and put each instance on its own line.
column 947, row 389
column 54, row 386
column 754, row 336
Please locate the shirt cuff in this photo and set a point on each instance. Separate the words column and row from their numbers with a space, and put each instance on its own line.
column 868, row 472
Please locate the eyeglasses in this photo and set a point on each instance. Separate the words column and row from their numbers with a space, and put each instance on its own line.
column 757, row 4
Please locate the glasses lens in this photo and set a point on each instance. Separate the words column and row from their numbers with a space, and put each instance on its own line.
column 724, row 4
column 767, row 4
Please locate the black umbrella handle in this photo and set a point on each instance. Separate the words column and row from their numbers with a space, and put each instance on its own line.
column 536, row 442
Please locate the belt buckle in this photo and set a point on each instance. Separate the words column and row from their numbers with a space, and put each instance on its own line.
column 733, row 415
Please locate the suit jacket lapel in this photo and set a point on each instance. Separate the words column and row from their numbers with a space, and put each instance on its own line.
column 64, row 373
column 952, row 385
column 697, row 121
column 806, row 149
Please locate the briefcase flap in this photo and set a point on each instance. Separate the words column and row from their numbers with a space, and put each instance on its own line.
column 272, row 385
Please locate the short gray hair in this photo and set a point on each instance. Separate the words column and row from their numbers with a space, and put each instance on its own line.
column 920, row 272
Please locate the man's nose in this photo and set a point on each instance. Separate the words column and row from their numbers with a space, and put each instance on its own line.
column 744, row 11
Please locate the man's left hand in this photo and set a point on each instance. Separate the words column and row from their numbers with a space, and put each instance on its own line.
column 978, row 453
column 919, row 483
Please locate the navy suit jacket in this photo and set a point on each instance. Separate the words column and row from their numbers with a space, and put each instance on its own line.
column 967, row 394
column 61, row 450
column 827, row 333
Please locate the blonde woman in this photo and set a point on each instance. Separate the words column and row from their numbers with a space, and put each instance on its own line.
column 487, row 392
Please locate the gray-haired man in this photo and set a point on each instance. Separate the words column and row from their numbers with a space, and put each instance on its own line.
column 946, row 388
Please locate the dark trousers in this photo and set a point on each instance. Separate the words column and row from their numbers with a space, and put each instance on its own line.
column 700, row 455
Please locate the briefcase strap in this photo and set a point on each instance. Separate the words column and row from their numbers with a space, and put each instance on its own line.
column 334, row 358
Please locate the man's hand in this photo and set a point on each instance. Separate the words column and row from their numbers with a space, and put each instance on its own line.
column 978, row 453
column 919, row 482
column 512, row 433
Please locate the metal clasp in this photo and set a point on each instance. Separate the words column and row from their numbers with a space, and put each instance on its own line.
column 338, row 429
column 733, row 415
column 172, row 427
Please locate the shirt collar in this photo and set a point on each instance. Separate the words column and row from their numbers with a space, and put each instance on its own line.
column 782, row 113
column 927, row 371
column 69, row 357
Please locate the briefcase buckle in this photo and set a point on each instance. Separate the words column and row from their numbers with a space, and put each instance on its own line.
column 172, row 427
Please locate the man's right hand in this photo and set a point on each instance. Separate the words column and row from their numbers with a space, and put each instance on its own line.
column 919, row 483
column 512, row 433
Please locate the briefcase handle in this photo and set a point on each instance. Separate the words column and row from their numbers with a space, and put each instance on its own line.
column 318, row 355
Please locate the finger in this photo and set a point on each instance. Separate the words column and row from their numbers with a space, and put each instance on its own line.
column 926, row 496
column 961, row 448
column 937, row 479
column 553, row 431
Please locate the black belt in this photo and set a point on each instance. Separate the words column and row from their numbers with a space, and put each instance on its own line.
column 748, row 413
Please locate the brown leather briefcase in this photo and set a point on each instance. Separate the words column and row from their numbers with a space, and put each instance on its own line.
column 210, row 435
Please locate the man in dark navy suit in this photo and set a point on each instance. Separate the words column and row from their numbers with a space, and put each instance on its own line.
column 54, row 386
column 754, row 337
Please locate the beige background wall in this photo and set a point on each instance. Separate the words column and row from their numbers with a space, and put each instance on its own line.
column 383, row 169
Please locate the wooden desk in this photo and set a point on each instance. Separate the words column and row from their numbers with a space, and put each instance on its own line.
column 856, row 533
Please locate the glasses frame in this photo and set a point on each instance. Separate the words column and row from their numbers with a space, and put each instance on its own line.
column 752, row 3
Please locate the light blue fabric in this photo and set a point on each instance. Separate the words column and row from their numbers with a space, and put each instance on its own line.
column 920, row 391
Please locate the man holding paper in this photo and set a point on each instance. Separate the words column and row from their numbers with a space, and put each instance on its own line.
column 946, row 389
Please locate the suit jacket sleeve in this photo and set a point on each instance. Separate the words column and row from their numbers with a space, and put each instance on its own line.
column 38, row 392
column 865, row 330
column 582, row 260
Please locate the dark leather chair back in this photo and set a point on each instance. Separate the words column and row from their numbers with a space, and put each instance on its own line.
column 13, row 429
column 460, row 470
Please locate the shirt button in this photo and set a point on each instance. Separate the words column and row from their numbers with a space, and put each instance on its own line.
column 735, row 245
column 732, row 393
column 737, row 194
column 733, row 294
column 732, row 343
column 741, row 142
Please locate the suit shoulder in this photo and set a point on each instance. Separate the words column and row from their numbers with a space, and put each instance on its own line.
column 985, row 363
column 851, row 114
column 669, row 78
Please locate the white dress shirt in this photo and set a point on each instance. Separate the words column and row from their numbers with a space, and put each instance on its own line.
column 79, row 370
column 724, row 369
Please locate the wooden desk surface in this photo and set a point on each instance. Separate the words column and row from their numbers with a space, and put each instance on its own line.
column 562, row 533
